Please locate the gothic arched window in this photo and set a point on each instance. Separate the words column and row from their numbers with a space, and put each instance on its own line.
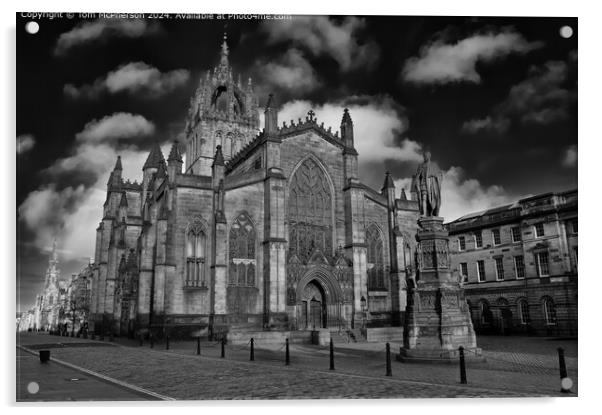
column 242, row 252
column 376, row 269
column 309, row 212
column 195, row 256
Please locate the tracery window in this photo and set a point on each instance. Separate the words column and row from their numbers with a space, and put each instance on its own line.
column 195, row 256
column 376, row 272
column 242, row 252
column 310, row 212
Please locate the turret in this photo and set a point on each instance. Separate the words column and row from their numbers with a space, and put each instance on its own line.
column 151, row 166
column 174, row 161
column 347, row 129
column 271, row 117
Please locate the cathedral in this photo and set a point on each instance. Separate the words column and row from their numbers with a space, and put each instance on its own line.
column 269, row 231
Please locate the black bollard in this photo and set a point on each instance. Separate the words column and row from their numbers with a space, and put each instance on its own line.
column 85, row 334
column 462, row 366
column 44, row 356
column 152, row 341
column 198, row 345
column 287, row 358
column 111, row 338
column 252, row 356
column 141, row 340
column 562, row 363
column 93, row 337
column 389, row 360
column 166, row 342
column 331, row 355
column 223, row 348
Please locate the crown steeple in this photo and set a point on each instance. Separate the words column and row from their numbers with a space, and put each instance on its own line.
column 225, row 51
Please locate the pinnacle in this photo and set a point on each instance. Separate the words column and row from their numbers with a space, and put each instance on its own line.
column 155, row 158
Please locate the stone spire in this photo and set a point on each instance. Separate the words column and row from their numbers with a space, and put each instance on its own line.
column 225, row 50
column 155, row 158
column 174, row 153
column 223, row 71
column 347, row 129
column 271, row 116
column 54, row 256
column 118, row 164
column 388, row 182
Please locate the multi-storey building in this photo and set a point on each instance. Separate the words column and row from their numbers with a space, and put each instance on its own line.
column 518, row 264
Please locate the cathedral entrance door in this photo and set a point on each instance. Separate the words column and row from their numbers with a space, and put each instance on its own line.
column 313, row 306
column 315, row 312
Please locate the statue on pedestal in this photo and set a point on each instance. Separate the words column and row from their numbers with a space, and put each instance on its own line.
column 427, row 185
column 437, row 318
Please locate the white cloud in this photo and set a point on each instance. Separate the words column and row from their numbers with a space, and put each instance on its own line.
column 292, row 72
column 322, row 36
column 132, row 77
column 440, row 63
column 72, row 214
column 101, row 29
column 116, row 126
column 488, row 123
column 377, row 127
column 25, row 142
column 541, row 98
column 570, row 156
column 461, row 195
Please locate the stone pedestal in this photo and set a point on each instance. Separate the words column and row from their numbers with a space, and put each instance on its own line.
column 437, row 320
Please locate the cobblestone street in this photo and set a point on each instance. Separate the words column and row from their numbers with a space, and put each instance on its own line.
column 360, row 370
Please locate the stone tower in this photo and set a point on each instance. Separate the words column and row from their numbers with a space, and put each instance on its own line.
column 222, row 112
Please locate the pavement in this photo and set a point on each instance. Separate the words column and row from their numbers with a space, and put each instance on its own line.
column 54, row 382
column 528, row 368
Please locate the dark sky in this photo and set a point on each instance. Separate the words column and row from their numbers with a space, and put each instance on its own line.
column 493, row 99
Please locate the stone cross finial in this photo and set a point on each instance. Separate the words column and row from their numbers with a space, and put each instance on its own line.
column 310, row 115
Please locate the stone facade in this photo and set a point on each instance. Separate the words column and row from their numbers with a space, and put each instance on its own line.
column 258, row 231
column 519, row 265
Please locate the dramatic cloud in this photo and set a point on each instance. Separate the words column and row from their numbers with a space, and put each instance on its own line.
column 102, row 29
column 116, row 126
column 570, row 157
column 134, row 77
column 25, row 142
column 541, row 98
column 463, row 195
column 73, row 213
column 323, row 36
column 440, row 63
column 292, row 73
column 378, row 126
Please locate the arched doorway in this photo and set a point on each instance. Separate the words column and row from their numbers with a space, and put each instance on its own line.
column 313, row 307
column 318, row 301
